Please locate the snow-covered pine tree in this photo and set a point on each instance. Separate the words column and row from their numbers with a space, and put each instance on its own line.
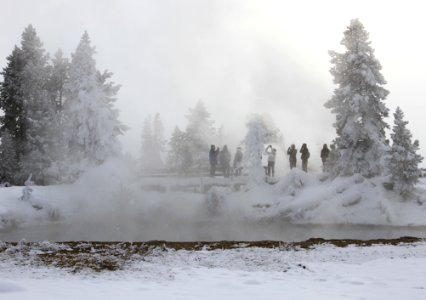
column 8, row 160
column 106, row 109
column 254, row 145
column 403, row 162
column 179, row 158
column 358, row 104
column 38, row 109
column 200, row 132
column 12, row 122
column 91, row 121
column 57, row 80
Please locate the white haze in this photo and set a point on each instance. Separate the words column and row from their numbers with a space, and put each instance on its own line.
column 239, row 57
column 111, row 202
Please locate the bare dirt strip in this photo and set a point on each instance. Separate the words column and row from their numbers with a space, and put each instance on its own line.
column 111, row 256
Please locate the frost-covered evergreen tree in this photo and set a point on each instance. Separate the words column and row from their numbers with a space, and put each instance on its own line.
column 358, row 104
column 58, row 78
column 254, row 145
column 261, row 131
column 404, row 161
column 179, row 157
column 12, row 122
column 38, row 111
column 8, row 160
column 200, row 132
column 11, row 101
column 92, row 121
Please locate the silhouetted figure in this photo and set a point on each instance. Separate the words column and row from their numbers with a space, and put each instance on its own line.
column 213, row 153
column 238, row 162
column 272, row 153
column 225, row 161
column 304, row 156
column 332, row 158
column 292, row 152
column 324, row 156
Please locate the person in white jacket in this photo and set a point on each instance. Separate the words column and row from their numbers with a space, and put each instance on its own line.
column 272, row 154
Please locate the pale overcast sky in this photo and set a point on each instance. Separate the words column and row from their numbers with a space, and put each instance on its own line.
column 239, row 57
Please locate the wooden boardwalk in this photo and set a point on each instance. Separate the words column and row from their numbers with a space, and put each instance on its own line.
column 195, row 184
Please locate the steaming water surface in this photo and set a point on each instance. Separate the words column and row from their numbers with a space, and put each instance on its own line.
column 119, row 212
column 206, row 231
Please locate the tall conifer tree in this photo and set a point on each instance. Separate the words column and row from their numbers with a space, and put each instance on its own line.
column 38, row 109
column 58, row 78
column 358, row 104
column 200, row 133
column 12, row 122
column 404, row 161
column 92, row 121
column 179, row 157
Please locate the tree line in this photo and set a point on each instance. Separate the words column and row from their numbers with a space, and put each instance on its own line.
column 58, row 114
column 59, row 117
column 185, row 152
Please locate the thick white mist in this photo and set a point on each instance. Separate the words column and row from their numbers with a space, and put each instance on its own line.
column 113, row 203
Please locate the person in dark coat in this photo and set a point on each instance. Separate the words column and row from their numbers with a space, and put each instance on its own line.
column 332, row 158
column 213, row 153
column 238, row 162
column 304, row 156
column 324, row 155
column 225, row 161
column 292, row 152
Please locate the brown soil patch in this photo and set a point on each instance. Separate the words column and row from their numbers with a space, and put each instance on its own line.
column 111, row 256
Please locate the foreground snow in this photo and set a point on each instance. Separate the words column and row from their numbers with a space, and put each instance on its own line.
column 325, row 272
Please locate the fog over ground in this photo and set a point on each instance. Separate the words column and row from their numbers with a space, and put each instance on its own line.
column 239, row 57
column 111, row 203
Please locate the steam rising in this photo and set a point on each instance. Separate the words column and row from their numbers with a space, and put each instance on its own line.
column 112, row 203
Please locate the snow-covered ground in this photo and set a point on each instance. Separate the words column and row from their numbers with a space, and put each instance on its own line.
column 324, row 272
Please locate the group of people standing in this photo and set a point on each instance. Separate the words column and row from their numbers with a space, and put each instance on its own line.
column 223, row 159
column 304, row 156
